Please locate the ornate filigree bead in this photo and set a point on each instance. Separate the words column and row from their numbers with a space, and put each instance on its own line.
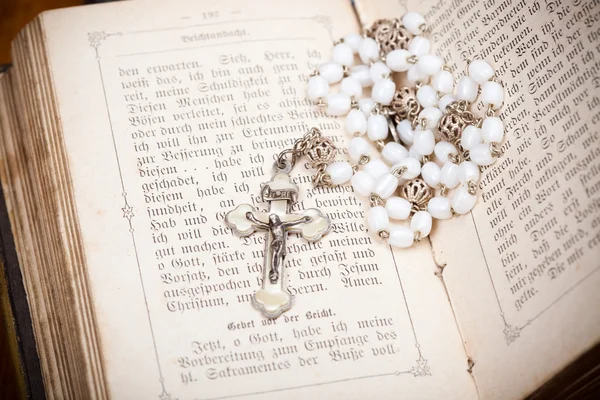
column 321, row 152
column 456, row 118
column 405, row 103
column 418, row 193
column 390, row 35
column 451, row 126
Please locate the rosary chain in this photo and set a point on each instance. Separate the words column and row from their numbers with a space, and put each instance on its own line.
column 319, row 150
column 456, row 116
column 299, row 149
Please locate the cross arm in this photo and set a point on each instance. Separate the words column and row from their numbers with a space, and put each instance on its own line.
column 237, row 219
column 313, row 230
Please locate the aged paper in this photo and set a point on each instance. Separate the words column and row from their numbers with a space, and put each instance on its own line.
column 172, row 114
column 523, row 272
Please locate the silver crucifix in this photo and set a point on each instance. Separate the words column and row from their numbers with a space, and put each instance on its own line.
column 273, row 299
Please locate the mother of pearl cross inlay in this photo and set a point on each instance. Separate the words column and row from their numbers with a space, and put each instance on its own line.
column 273, row 299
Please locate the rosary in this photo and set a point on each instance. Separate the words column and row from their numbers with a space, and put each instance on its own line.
column 432, row 146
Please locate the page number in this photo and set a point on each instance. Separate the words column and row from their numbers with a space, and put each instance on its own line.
column 210, row 15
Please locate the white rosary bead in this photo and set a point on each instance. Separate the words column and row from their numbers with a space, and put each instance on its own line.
column 351, row 87
column 427, row 96
column 432, row 116
column 419, row 45
column 356, row 122
column 412, row 165
column 405, row 131
column 413, row 22
column 377, row 219
column 394, row 152
column 332, row 72
column 317, row 88
column 430, row 64
column 449, row 175
column 421, row 222
column 398, row 208
column 481, row 155
column 358, row 147
column 386, row 185
column 415, row 75
column 468, row 171
column 443, row 149
column 375, row 176
column 361, row 74
column 471, row 137
column 466, row 89
column 492, row 93
column 424, row 142
column 444, row 101
column 340, row 172
column 338, row 104
column 401, row 237
column 383, row 91
column 377, row 127
column 431, row 172
column 439, row 207
column 492, row 130
column 480, row 71
column 413, row 153
column 362, row 183
column 378, row 71
column 443, row 82
column 396, row 60
column 366, row 106
column 353, row 40
column 376, row 168
column 343, row 54
column 368, row 51
column 463, row 201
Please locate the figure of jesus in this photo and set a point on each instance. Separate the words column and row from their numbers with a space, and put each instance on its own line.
column 277, row 245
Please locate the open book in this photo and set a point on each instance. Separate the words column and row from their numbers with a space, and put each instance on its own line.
column 130, row 129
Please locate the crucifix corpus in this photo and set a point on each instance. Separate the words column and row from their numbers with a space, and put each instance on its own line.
column 273, row 299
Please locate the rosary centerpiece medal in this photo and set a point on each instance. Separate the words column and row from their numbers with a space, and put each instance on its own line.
column 273, row 299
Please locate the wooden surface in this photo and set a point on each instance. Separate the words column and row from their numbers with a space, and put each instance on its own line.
column 9, row 382
column 14, row 15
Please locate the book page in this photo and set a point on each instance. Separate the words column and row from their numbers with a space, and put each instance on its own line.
column 172, row 115
column 522, row 269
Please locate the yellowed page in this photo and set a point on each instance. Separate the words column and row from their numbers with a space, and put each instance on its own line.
column 172, row 113
column 522, row 269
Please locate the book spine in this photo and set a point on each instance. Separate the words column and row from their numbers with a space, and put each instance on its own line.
column 20, row 373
